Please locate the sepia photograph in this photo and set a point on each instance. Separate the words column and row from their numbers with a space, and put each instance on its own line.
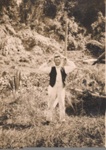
column 52, row 74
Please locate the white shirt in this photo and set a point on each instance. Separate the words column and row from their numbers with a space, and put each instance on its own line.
column 58, row 77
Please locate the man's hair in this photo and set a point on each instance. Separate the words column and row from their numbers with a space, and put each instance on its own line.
column 57, row 55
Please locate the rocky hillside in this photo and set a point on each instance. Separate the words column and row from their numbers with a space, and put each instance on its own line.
column 32, row 31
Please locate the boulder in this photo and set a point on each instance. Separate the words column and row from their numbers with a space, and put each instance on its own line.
column 95, row 47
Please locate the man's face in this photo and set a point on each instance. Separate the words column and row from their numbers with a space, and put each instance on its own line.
column 57, row 60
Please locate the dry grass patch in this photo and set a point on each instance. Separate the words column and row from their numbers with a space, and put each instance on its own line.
column 24, row 126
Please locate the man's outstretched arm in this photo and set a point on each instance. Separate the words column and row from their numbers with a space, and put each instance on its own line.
column 45, row 68
column 69, row 66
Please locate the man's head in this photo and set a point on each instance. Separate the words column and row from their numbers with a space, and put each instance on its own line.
column 57, row 59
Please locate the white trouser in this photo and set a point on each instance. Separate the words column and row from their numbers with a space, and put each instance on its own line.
column 56, row 95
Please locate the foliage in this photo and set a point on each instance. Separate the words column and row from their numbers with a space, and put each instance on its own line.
column 98, row 28
column 77, row 8
column 23, row 119
column 82, row 13
column 50, row 9
column 23, row 110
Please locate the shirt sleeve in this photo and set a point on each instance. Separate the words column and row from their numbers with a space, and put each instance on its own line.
column 70, row 66
column 44, row 68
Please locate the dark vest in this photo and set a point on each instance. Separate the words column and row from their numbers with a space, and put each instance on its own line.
column 53, row 75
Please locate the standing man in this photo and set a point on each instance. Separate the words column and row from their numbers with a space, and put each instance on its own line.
column 58, row 68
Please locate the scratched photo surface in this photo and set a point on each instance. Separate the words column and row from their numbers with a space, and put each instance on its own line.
column 52, row 73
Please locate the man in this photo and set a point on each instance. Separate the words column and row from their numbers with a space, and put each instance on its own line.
column 57, row 69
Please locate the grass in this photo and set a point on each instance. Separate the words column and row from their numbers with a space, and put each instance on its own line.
column 76, row 132
column 23, row 124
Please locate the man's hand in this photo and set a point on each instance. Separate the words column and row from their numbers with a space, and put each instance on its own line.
column 64, row 61
column 50, row 61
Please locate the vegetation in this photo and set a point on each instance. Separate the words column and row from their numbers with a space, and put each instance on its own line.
column 31, row 32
